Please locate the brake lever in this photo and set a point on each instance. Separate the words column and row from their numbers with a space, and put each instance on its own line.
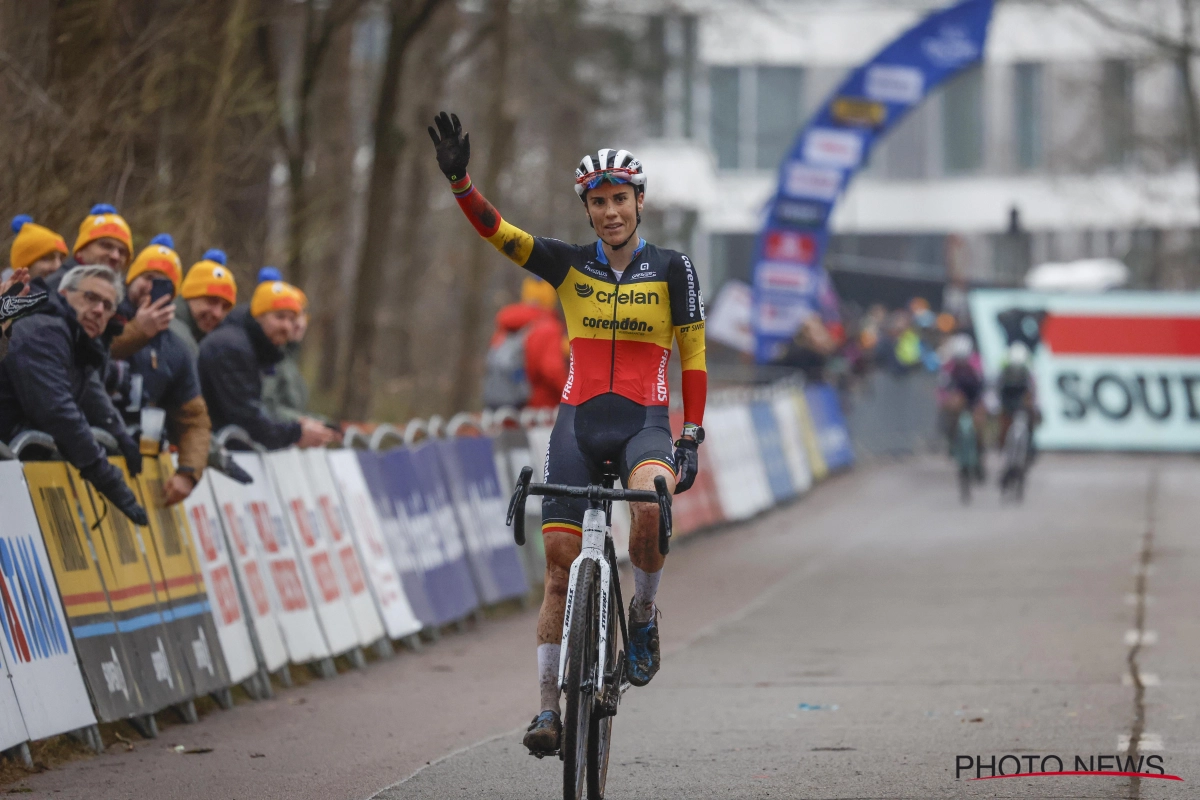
column 516, row 506
column 664, row 514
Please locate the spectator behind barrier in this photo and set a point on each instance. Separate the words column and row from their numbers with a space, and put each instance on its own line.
column 526, row 363
column 163, row 374
column 38, row 250
column 47, row 381
column 285, row 392
column 206, row 296
column 234, row 357
column 104, row 239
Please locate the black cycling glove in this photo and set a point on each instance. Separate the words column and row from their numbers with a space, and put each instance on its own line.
column 133, row 456
column 453, row 146
column 109, row 481
column 687, row 464
column 13, row 307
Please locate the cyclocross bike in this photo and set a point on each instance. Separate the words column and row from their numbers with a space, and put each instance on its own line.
column 1016, row 456
column 966, row 453
column 591, row 669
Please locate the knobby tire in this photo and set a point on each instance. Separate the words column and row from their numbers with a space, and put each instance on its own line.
column 600, row 734
column 580, row 662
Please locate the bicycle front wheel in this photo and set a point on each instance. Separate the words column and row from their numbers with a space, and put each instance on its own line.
column 578, row 684
column 600, row 735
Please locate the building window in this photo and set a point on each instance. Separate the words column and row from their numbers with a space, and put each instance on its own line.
column 1116, row 104
column 779, row 95
column 756, row 114
column 1027, row 115
column 724, row 105
column 962, row 123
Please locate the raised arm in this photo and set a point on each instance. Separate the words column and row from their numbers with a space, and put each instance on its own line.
column 533, row 253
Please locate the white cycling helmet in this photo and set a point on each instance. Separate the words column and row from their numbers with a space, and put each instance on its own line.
column 960, row 347
column 1018, row 354
column 614, row 166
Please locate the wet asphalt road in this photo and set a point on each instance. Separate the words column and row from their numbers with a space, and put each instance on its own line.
column 851, row 645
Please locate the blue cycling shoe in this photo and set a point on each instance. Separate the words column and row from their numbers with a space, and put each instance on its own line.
column 543, row 734
column 643, row 660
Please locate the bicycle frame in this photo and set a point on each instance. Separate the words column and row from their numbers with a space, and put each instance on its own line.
column 597, row 547
column 595, row 535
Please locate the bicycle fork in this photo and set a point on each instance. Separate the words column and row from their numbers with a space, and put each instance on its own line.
column 594, row 525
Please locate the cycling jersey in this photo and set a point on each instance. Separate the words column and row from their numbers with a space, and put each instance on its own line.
column 620, row 329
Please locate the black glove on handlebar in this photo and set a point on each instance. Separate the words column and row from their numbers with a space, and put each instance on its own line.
column 133, row 456
column 687, row 464
column 109, row 481
column 453, row 146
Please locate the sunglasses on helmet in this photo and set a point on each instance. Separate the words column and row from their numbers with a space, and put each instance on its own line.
column 615, row 176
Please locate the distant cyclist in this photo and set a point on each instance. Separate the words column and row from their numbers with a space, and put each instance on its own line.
column 624, row 300
column 1015, row 388
column 960, row 386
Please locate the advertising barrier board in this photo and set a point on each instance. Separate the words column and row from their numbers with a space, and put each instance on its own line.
column 783, row 405
column 179, row 585
column 319, row 564
column 770, row 447
column 230, row 618
column 284, row 615
column 415, row 486
column 398, row 538
column 107, row 663
column 123, row 559
column 35, row 646
column 478, row 500
column 1112, row 371
column 833, row 437
column 742, row 484
column 343, row 469
column 343, row 544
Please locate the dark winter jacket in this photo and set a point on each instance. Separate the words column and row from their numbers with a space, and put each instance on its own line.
column 233, row 360
column 49, row 382
column 184, row 326
column 124, row 336
column 163, row 374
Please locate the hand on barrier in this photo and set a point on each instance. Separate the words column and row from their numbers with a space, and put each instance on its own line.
column 109, row 481
column 177, row 488
column 223, row 462
column 453, row 146
column 687, row 464
column 314, row 433
column 133, row 456
column 153, row 318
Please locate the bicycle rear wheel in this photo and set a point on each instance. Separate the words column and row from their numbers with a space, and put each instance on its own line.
column 600, row 735
column 579, row 686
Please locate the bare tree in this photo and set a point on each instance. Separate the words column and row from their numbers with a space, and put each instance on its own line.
column 467, row 372
column 408, row 18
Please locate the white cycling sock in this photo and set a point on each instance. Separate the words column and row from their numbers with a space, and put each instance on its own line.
column 547, row 655
column 645, row 587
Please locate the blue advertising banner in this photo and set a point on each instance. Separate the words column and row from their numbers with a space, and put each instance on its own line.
column 431, row 520
column 398, row 539
column 789, row 280
column 770, row 445
column 478, row 462
column 833, row 437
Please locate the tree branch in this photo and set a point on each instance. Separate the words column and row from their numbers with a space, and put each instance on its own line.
column 1129, row 27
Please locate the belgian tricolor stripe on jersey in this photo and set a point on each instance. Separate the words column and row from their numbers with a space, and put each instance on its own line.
column 620, row 330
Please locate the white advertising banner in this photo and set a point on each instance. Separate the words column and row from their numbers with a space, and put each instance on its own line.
column 344, row 544
column 367, row 530
column 35, row 645
column 281, row 607
column 321, row 564
column 1113, row 371
column 741, row 477
column 228, row 613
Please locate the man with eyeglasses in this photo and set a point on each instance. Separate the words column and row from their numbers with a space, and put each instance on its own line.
column 47, row 381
